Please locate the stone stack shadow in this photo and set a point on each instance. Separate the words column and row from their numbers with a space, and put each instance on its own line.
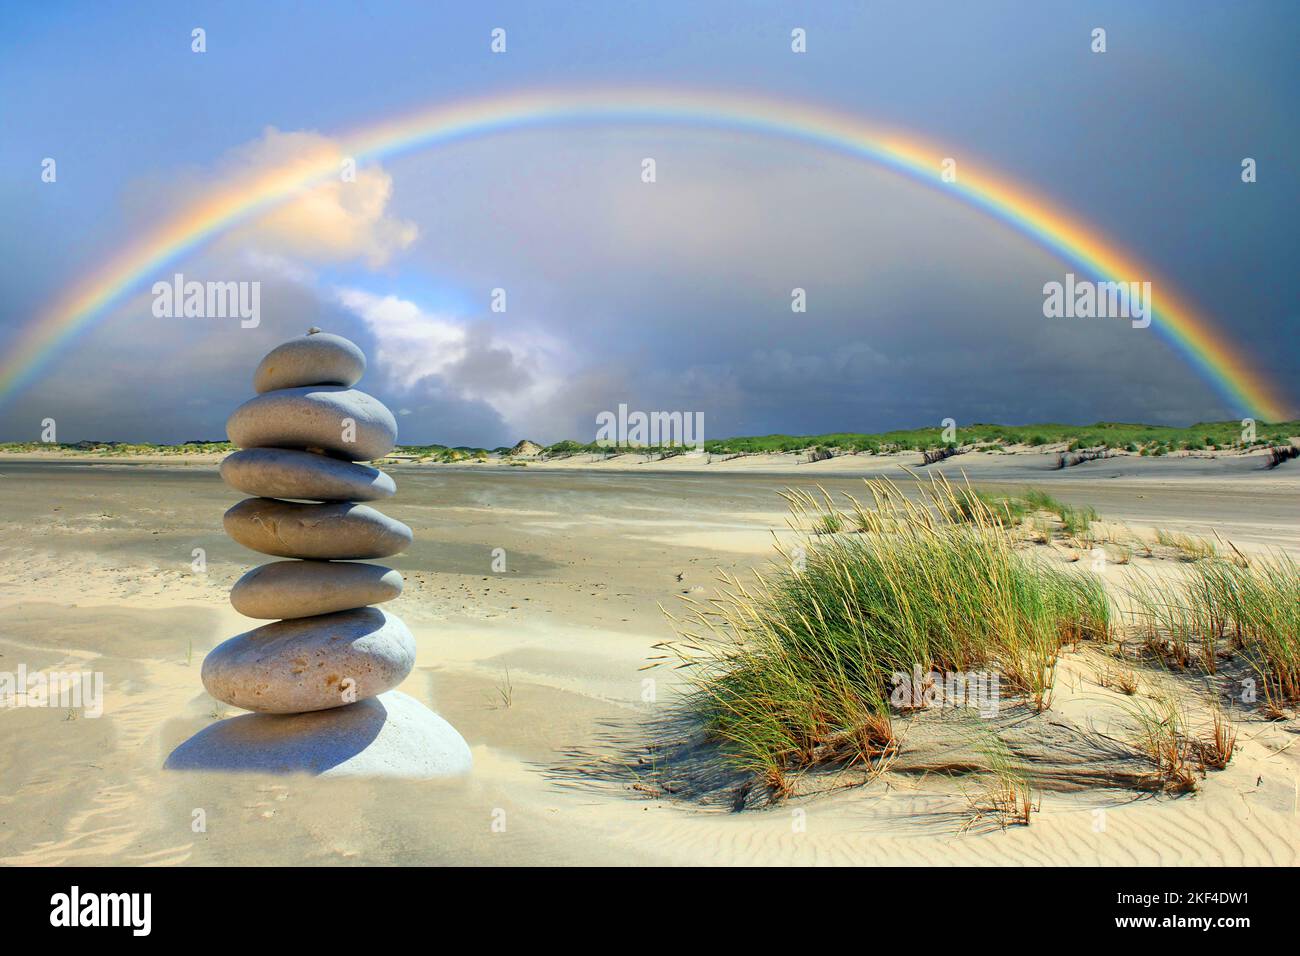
column 321, row 679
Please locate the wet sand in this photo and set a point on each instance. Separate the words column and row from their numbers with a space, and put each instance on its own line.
column 539, row 667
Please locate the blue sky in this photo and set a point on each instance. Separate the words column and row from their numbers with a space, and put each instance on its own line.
column 676, row 297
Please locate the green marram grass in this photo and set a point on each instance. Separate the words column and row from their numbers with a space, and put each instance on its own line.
column 795, row 668
column 1012, row 510
column 1247, row 606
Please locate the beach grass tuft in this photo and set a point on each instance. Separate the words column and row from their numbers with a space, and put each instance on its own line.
column 1223, row 605
column 1005, row 797
column 795, row 668
column 1216, row 750
column 1162, row 735
column 1189, row 547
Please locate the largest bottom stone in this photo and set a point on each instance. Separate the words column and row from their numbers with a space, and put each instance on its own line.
column 392, row 735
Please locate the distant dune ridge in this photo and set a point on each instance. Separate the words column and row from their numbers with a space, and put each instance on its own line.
column 1118, row 437
column 525, row 447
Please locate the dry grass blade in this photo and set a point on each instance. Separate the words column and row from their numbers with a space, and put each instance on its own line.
column 1005, row 799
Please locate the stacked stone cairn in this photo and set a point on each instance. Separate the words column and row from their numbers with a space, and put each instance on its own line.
column 332, row 655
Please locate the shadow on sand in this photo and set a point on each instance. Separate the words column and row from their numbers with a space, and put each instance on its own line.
column 671, row 757
column 310, row 743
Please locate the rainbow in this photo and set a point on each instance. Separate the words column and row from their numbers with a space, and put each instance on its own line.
column 144, row 259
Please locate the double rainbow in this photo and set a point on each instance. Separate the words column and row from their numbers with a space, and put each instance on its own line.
column 144, row 259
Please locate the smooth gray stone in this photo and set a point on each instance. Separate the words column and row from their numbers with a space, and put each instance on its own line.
column 311, row 663
column 289, row 473
column 318, row 358
column 315, row 417
column 391, row 735
column 286, row 589
column 340, row 531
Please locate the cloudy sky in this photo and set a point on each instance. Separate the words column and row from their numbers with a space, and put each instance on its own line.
column 674, row 295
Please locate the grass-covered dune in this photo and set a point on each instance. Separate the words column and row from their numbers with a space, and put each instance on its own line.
column 113, row 449
column 1115, row 436
column 1135, row 438
column 117, row 449
column 797, row 668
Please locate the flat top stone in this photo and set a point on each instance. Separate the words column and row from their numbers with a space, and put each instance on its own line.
column 317, row 358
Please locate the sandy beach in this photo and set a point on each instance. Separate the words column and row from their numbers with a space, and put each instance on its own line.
column 542, row 668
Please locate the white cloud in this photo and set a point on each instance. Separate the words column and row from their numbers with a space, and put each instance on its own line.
column 515, row 374
column 332, row 221
column 412, row 344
